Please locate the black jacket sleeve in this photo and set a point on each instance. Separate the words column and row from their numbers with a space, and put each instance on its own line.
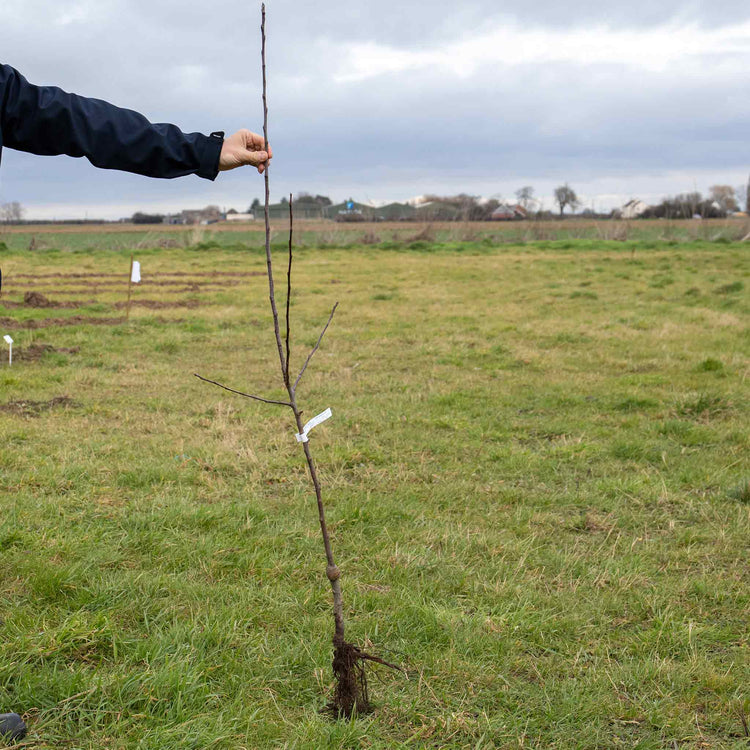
column 47, row 120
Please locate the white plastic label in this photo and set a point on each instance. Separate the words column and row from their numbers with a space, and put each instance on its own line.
column 8, row 339
column 135, row 277
column 314, row 422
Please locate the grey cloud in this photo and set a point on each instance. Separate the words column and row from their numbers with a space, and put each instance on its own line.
column 198, row 65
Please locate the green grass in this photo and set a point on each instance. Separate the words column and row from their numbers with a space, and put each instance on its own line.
column 536, row 479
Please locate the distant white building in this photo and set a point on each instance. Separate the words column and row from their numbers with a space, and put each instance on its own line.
column 240, row 217
column 633, row 209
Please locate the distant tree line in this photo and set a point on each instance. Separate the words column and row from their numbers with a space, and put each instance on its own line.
column 461, row 207
column 721, row 201
column 302, row 198
column 142, row 218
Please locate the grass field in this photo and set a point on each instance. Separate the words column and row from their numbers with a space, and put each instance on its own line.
column 386, row 235
column 537, row 478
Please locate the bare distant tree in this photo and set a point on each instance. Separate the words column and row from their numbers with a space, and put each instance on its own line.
column 724, row 196
column 317, row 200
column 525, row 196
column 740, row 193
column 566, row 196
column 690, row 203
column 463, row 207
column 11, row 212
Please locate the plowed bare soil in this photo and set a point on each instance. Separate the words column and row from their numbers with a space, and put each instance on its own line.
column 75, row 320
column 35, row 408
column 35, row 352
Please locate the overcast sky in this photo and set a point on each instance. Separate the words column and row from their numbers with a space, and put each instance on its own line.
column 390, row 100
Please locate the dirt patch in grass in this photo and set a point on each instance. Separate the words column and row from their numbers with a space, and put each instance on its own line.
column 35, row 276
column 120, row 290
column 38, row 300
column 150, row 304
column 214, row 274
column 192, row 285
column 62, row 286
column 35, row 352
column 155, row 304
column 177, row 274
column 35, row 408
column 75, row 320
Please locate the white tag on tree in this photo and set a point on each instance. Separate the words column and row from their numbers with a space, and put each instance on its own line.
column 135, row 276
column 314, row 422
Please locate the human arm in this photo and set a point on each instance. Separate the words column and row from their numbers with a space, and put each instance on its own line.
column 46, row 120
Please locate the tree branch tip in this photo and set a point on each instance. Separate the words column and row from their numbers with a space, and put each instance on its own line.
column 315, row 348
column 245, row 395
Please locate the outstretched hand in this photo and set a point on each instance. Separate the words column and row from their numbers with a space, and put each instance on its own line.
column 243, row 148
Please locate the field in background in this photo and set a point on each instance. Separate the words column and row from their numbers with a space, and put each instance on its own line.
column 537, row 479
column 389, row 235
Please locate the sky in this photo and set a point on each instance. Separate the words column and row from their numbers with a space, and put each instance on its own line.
column 390, row 100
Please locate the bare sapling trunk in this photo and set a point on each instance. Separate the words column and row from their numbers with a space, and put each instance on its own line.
column 350, row 693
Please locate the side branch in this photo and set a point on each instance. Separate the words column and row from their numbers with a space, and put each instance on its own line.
column 378, row 660
column 315, row 348
column 240, row 393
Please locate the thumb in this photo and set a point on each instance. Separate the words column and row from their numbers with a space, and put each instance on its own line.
column 254, row 157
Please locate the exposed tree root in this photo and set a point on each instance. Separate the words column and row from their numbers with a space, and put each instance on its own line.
column 351, row 696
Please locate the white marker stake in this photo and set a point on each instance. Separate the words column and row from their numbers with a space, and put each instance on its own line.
column 9, row 341
column 134, row 278
column 314, row 422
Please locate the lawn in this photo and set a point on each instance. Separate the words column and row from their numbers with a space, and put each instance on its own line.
column 537, row 480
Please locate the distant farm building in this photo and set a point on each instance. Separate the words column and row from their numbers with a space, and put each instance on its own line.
column 395, row 212
column 239, row 217
column 350, row 211
column 508, row 213
column 302, row 210
column 207, row 215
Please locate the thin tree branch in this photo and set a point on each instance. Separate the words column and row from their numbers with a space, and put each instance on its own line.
column 240, row 393
column 289, row 289
column 315, row 348
column 378, row 660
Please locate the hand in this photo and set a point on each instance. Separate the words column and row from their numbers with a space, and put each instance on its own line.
column 244, row 148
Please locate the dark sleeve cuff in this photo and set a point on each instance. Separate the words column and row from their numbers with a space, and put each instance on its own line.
column 209, row 164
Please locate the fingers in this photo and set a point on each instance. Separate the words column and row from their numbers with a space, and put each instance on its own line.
column 256, row 158
column 256, row 142
column 253, row 141
column 245, row 148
